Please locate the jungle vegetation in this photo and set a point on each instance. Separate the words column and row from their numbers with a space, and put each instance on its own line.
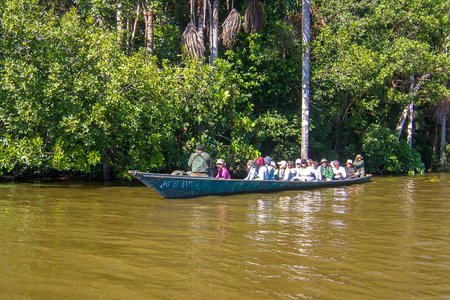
column 99, row 87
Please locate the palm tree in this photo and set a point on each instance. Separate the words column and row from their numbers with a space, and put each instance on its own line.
column 192, row 41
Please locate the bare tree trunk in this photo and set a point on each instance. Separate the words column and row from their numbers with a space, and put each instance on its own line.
column 148, row 18
column 200, row 18
column 133, row 32
column 413, row 89
column 306, row 38
column 215, row 31
column 410, row 124
column 409, row 108
column 228, row 5
column 126, row 35
column 119, row 23
column 119, row 19
column 401, row 121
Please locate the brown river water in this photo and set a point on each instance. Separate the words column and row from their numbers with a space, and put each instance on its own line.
column 387, row 239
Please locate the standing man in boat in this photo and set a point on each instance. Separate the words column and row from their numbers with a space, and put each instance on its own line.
column 200, row 163
column 359, row 165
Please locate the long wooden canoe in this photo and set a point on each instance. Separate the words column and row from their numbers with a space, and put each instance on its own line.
column 173, row 186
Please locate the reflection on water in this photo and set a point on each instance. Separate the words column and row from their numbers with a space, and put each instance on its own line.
column 387, row 239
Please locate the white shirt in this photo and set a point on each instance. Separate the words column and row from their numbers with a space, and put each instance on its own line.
column 252, row 173
column 263, row 173
column 305, row 174
column 339, row 173
column 289, row 174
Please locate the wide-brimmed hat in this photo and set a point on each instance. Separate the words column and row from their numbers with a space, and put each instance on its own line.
column 323, row 160
column 220, row 162
column 268, row 159
column 349, row 161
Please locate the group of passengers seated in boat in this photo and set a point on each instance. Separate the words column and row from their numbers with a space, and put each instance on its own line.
column 267, row 169
column 304, row 170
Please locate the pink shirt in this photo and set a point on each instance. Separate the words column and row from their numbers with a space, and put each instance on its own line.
column 222, row 173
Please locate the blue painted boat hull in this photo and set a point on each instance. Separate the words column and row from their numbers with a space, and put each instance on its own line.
column 173, row 187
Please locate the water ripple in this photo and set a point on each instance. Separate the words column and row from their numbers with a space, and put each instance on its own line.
column 387, row 239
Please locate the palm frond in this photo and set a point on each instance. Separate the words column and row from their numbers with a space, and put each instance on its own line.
column 230, row 28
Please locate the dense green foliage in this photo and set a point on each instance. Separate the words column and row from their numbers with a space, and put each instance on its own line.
column 75, row 97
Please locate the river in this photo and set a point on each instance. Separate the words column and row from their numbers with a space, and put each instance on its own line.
column 387, row 239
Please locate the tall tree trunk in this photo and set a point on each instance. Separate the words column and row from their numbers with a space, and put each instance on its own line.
column 201, row 5
column 148, row 18
column 402, row 121
column 126, row 37
column 133, row 32
column 215, row 31
column 254, row 17
column 410, row 124
column 409, row 108
column 412, row 90
column 306, row 38
column 119, row 18
column 119, row 24
column 230, row 5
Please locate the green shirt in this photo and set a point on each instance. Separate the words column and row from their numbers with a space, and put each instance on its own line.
column 359, row 166
column 327, row 173
column 200, row 162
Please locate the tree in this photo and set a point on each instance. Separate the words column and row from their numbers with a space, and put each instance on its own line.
column 149, row 26
column 214, row 31
column 306, row 39
column 79, row 92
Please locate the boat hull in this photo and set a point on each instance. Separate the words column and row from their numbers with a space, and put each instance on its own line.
column 174, row 187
